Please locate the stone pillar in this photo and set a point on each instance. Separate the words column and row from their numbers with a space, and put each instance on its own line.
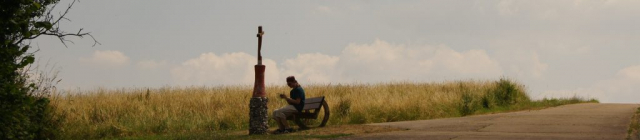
column 258, row 115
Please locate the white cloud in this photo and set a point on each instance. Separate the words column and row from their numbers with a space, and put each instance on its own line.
column 107, row 58
column 379, row 61
column 623, row 88
column 382, row 61
column 469, row 62
column 323, row 9
column 151, row 64
column 538, row 67
column 521, row 62
column 507, row 7
column 553, row 10
column 630, row 73
column 228, row 68
column 315, row 67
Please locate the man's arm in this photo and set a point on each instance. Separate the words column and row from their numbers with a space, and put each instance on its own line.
column 292, row 101
column 289, row 100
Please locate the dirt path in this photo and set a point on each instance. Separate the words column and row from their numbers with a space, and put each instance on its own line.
column 579, row 121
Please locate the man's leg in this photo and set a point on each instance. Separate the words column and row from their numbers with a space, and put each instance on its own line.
column 287, row 111
column 279, row 122
column 277, row 116
column 285, row 124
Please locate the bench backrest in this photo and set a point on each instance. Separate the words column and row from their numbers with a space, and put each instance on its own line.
column 313, row 103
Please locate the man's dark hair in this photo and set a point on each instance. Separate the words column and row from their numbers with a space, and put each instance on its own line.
column 291, row 79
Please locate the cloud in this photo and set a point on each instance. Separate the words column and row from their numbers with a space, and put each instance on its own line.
column 228, row 68
column 472, row 62
column 151, row 64
column 378, row 61
column 323, row 9
column 507, row 7
column 381, row 61
column 623, row 88
column 107, row 58
column 522, row 63
column 314, row 67
column 630, row 73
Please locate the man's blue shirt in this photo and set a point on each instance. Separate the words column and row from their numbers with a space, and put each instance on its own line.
column 296, row 93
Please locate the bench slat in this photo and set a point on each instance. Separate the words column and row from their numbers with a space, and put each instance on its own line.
column 313, row 100
column 312, row 106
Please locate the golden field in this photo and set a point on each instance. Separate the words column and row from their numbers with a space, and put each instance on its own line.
column 105, row 113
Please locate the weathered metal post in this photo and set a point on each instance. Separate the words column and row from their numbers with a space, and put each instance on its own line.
column 258, row 115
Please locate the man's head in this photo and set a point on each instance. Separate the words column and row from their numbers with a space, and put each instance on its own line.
column 292, row 82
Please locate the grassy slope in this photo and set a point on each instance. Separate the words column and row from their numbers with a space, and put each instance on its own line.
column 634, row 127
column 210, row 111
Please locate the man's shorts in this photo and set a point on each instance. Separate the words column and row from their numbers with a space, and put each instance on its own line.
column 284, row 112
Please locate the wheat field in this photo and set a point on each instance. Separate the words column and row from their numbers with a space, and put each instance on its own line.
column 142, row 111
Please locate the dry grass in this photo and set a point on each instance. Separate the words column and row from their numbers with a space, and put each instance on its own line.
column 107, row 113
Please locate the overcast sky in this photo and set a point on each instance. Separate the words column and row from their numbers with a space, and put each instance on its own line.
column 557, row 48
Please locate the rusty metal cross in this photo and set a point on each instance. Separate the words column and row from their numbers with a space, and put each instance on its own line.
column 260, row 34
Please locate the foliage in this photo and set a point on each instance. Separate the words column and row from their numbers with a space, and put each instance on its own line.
column 25, row 112
column 343, row 107
column 633, row 133
column 507, row 93
column 467, row 105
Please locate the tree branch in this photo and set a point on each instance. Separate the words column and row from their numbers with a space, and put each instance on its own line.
column 55, row 30
column 65, row 13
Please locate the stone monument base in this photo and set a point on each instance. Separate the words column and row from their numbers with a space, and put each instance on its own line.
column 258, row 115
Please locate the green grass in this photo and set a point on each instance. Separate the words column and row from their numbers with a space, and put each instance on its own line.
column 536, row 104
column 634, row 127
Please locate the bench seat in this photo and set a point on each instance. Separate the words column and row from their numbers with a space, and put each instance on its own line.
column 310, row 104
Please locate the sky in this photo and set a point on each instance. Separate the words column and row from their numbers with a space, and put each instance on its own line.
column 556, row 48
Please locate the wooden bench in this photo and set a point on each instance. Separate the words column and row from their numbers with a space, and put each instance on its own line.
column 310, row 112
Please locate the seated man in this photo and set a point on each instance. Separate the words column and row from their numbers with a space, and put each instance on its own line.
column 296, row 104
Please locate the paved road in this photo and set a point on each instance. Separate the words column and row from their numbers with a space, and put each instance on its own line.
column 578, row 121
